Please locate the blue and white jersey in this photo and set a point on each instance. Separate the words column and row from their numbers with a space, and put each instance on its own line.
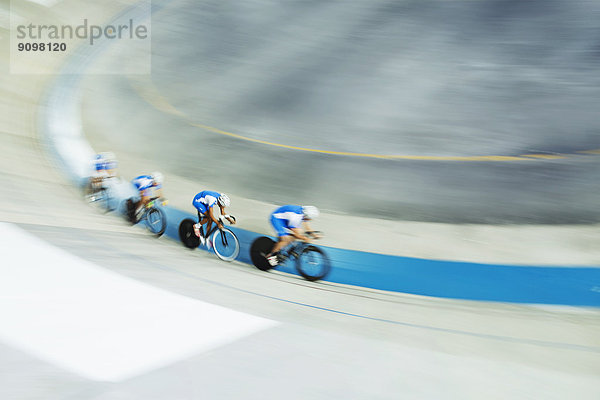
column 100, row 163
column 143, row 182
column 205, row 200
column 110, row 164
column 291, row 216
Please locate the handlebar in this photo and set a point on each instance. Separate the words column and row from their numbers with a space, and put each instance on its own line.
column 150, row 203
column 223, row 218
column 314, row 233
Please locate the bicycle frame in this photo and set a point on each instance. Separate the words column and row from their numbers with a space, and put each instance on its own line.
column 292, row 250
column 295, row 248
column 213, row 230
column 148, row 206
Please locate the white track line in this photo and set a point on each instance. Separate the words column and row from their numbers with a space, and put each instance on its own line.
column 99, row 324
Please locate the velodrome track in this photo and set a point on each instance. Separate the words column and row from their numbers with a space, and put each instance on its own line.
column 61, row 129
column 352, row 342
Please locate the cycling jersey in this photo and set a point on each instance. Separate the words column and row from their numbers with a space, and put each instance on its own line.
column 99, row 166
column 205, row 200
column 285, row 218
column 104, row 167
column 99, row 163
column 110, row 165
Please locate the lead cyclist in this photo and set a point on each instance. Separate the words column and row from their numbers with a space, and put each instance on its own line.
column 286, row 221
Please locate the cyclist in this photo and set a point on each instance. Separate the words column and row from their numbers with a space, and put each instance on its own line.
column 286, row 221
column 204, row 203
column 149, row 187
column 105, row 167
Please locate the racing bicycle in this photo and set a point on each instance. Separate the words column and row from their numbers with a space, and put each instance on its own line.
column 151, row 214
column 223, row 241
column 310, row 261
column 99, row 194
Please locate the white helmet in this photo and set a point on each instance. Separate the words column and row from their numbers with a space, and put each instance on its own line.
column 310, row 212
column 158, row 178
column 224, row 200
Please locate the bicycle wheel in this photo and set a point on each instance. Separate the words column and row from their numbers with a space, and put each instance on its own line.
column 129, row 211
column 259, row 249
column 98, row 198
column 313, row 264
column 156, row 221
column 225, row 244
column 107, row 201
column 187, row 235
column 122, row 208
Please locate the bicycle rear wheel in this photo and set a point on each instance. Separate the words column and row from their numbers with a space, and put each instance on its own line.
column 259, row 249
column 99, row 198
column 109, row 201
column 156, row 221
column 187, row 235
column 313, row 264
column 225, row 244
column 129, row 211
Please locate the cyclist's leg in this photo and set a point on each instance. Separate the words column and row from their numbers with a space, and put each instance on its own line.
column 282, row 241
column 132, row 207
column 95, row 184
column 198, row 226
column 90, row 187
column 208, row 225
column 144, row 199
column 202, row 219
column 284, row 238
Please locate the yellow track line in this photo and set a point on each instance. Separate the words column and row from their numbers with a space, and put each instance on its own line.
column 153, row 97
column 544, row 156
column 596, row 151
column 366, row 155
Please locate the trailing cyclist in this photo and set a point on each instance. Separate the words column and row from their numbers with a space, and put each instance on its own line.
column 287, row 221
column 105, row 168
column 149, row 187
column 204, row 203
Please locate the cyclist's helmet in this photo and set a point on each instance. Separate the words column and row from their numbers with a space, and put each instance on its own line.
column 224, row 200
column 158, row 178
column 310, row 212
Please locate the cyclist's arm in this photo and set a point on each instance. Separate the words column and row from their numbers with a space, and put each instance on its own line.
column 212, row 217
column 299, row 234
column 145, row 195
column 307, row 228
column 231, row 220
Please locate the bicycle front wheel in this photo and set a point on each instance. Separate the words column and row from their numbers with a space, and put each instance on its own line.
column 226, row 245
column 313, row 264
column 156, row 221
